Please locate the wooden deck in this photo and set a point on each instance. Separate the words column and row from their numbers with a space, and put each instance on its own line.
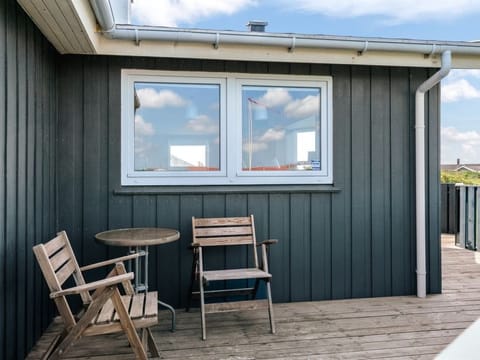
column 393, row 327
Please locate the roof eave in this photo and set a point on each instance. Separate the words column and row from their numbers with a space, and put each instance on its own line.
column 71, row 27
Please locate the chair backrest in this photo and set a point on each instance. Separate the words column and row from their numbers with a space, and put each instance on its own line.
column 225, row 231
column 58, row 263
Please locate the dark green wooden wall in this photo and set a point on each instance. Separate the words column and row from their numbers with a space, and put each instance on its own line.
column 27, row 177
column 355, row 239
column 60, row 169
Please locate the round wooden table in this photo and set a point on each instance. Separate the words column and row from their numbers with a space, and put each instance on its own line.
column 138, row 240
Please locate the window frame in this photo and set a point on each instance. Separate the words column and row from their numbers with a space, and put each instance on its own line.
column 230, row 135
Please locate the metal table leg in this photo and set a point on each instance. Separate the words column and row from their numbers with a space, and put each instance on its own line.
column 144, row 286
column 172, row 310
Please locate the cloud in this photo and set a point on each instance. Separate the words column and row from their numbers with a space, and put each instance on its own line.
column 303, row 108
column 452, row 134
column 202, row 124
column 143, row 128
column 464, row 145
column 173, row 12
column 272, row 135
column 256, row 146
column 456, row 74
column 459, row 90
column 151, row 98
column 142, row 147
column 396, row 11
column 275, row 97
column 261, row 143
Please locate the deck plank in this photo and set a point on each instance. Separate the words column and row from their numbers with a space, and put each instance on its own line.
column 403, row 327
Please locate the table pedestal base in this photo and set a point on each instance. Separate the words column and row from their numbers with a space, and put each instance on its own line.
column 172, row 310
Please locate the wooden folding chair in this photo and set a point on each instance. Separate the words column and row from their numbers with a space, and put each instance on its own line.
column 104, row 311
column 240, row 231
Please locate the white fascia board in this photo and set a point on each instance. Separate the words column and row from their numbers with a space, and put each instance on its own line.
column 85, row 16
column 262, row 53
column 465, row 61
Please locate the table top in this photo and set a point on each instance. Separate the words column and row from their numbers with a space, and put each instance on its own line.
column 137, row 236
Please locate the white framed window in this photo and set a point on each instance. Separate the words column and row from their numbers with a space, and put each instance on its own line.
column 183, row 128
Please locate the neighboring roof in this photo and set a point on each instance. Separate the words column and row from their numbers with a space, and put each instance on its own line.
column 461, row 167
column 71, row 26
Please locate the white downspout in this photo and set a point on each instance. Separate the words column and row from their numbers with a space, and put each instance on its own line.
column 420, row 169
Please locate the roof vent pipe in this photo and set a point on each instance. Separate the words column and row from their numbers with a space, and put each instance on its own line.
column 420, row 169
column 257, row 26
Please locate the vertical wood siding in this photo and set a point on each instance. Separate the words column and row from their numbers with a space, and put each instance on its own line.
column 27, row 177
column 357, row 242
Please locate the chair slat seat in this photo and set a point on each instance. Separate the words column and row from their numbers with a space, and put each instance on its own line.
column 106, row 314
column 235, row 274
column 138, row 306
column 151, row 304
column 126, row 299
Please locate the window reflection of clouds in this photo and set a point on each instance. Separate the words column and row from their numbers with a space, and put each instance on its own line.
column 302, row 108
column 275, row 97
column 202, row 124
column 143, row 128
column 165, row 116
column 272, row 135
column 275, row 139
column 149, row 97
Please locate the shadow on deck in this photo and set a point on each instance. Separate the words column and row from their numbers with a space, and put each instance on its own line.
column 389, row 327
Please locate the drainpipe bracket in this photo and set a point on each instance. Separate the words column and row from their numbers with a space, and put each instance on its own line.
column 432, row 53
column 137, row 39
column 364, row 50
column 216, row 44
column 292, row 47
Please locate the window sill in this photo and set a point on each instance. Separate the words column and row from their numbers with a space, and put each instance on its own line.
column 226, row 189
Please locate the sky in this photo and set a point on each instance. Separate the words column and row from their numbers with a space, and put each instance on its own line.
column 411, row 19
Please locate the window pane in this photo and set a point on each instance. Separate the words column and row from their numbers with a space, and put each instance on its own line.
column 280, row 128
column 177, row 127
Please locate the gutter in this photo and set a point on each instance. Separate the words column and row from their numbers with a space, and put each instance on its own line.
column 106, row 19
column 110, row 29
column 420, row 169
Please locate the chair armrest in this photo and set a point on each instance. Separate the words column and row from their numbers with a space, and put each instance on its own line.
column 93, row 285
column 268, row 242
column 112, row 261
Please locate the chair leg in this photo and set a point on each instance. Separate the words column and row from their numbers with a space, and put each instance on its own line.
column 127, row 325
column 192, row 280
column 255, row 289
column 53, row 345
column 151, row 344
column 144, row 338
column 202, row 309
column 270, row 308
